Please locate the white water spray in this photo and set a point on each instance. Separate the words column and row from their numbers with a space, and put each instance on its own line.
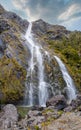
column 35, row 51
column 69, row 82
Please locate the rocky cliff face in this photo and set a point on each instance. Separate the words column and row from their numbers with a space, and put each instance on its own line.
column 40, row 27
column 14, row 54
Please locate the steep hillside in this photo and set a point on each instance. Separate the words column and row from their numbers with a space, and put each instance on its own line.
column 12, row 56
column 66, row 44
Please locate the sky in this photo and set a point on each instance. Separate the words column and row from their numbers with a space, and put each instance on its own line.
column 62, row 12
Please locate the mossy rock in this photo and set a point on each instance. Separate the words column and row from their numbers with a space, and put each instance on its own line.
column 12, row 80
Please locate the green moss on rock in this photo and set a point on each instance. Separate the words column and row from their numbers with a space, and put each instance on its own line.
column 12, row 80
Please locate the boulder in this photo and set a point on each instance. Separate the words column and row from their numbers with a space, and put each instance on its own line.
column 59, row 102
column 76, row 103
column 68, row 109
column 8, row 116
column 34, row 113
column 35, row 120
column 36, row 107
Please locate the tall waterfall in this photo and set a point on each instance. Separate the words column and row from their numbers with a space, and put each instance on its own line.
column 36, row 54
column 71, row 92
column 38, row 86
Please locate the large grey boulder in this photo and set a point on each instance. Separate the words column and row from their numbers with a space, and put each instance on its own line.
column 74, row 105
column 8, row 117
column 59, row 102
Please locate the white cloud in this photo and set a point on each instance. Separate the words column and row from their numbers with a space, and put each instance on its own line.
column 72, row 10
column 30, row 16
column 19, row 4
column 36, row 9
column 22, row 5
column 73, row 24
column 64, row 12
column 33, row 13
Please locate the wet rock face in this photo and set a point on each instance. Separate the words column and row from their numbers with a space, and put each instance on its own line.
column 53, row 77
column 9, row 117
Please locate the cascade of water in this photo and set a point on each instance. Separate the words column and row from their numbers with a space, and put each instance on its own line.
column 30, row 44
column 43, row 94
column 37, row 59
column 69, row 82
column 35, row 51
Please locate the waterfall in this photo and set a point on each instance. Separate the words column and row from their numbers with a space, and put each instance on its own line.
column 71, row 92
column 35, row 51
column 30, row 44
column 43, row 94
column 36, row 87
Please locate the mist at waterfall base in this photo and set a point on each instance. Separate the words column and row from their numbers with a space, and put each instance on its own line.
column 36, row 59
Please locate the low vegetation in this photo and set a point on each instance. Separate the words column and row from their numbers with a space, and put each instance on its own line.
column 69, row 50
column 22, row 111
column 12, row 77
